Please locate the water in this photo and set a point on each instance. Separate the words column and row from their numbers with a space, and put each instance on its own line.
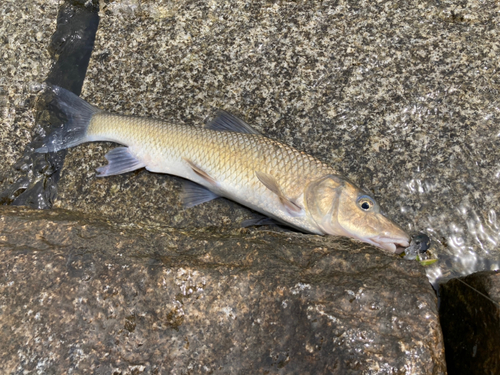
column 453, row 190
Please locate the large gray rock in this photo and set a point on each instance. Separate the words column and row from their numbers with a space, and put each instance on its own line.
column 81, row 295
column 401, row 98
column 470, row 317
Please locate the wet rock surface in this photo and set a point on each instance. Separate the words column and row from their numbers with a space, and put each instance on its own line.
column 36, row 176
column 401, row 98
column 26, row 29
column 79, row 294
column 470, row 317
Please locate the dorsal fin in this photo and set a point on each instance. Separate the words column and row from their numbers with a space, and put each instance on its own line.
column 224, row 121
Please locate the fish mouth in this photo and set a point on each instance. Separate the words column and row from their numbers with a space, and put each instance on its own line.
column 391, row 244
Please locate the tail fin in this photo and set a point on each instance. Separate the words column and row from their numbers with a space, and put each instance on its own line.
column 78, row 113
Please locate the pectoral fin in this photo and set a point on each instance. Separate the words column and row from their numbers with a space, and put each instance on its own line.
column 120, row 160
column 291, row 207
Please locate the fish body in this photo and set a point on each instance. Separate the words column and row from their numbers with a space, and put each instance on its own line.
column 230, row 159
column 222, row 161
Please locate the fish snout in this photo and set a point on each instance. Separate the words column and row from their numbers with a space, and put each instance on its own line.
column 393, row 243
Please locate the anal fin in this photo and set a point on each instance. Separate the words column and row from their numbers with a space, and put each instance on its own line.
column 120, row 160
column 194, row 194
column 290, row 206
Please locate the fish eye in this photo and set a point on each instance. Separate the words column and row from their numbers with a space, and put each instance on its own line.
column 365, row 203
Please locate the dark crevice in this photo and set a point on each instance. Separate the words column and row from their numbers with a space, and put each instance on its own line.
column 70, row 47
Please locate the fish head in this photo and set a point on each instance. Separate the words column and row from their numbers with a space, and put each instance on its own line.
column 339, row 207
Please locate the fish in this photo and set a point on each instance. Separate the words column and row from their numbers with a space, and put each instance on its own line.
column 229, row 158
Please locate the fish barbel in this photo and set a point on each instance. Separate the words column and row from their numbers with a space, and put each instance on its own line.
column 228, row 158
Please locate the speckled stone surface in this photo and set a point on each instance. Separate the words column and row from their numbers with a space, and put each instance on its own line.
column 25, row 31
column 82, row 295
column 400, row 97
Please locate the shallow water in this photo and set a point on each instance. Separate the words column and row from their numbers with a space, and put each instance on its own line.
column 458, row 212
column 452, row 193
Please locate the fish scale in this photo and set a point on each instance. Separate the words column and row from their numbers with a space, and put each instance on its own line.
column 228, row 158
